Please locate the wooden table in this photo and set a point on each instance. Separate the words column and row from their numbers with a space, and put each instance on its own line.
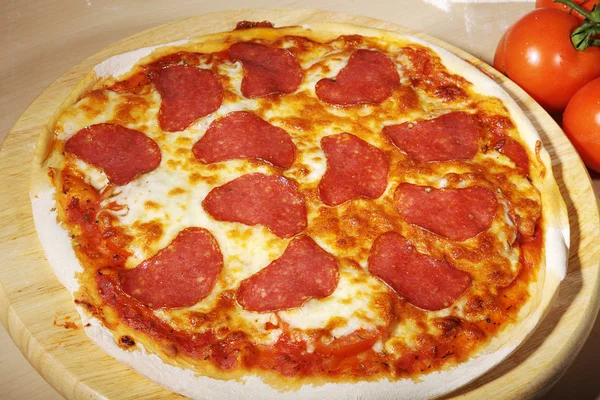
column 41, row 39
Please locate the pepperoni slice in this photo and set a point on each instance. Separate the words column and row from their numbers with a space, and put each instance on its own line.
column 122, row 153
column 187, row 93
column 369, row 77
column 457, row 214
column 268, row 70
column 304, row 271
column 451, row 136
column 513, row 150
column 242, row 134
column 180, row 275
column 253, row 199
column 354, row 169
column 424, row 281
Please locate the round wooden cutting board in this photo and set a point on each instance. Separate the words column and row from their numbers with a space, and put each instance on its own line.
column 39, row 315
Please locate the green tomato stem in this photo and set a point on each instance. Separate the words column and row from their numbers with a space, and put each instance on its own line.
column 584, row 35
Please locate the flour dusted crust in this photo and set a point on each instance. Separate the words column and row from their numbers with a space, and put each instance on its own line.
column 61, row 256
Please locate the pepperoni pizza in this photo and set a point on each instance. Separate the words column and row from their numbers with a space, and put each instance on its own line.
column 324, row 209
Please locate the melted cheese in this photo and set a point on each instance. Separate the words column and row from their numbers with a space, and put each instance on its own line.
column 352, row 306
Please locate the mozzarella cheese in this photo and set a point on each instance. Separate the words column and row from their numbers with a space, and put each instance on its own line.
column 351, row 307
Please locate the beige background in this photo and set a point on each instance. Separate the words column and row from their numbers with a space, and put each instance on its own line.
column 41, row 39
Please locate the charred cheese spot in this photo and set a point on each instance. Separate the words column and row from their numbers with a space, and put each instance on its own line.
column 239, row 234
column 126, row 342
column 132, row 111
column 176, row 191
column 96, row 101
column 149, row 232
column 182, row 152
column 151, row 205
column 184, row 142
column 174, row 164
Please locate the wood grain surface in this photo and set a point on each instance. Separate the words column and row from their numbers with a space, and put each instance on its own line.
column 30, row 296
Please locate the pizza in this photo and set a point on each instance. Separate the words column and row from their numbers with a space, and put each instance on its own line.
column 301, row 211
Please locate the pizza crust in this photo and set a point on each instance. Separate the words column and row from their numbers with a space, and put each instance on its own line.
column 122, row 63
column 59, row 252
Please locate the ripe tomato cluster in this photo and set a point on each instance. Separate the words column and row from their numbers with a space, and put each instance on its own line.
column 553, row 53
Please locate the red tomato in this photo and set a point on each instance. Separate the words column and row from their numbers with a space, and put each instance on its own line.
column 500, row 57
column 537, row 54
column 581, row 123
column 585, row 4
